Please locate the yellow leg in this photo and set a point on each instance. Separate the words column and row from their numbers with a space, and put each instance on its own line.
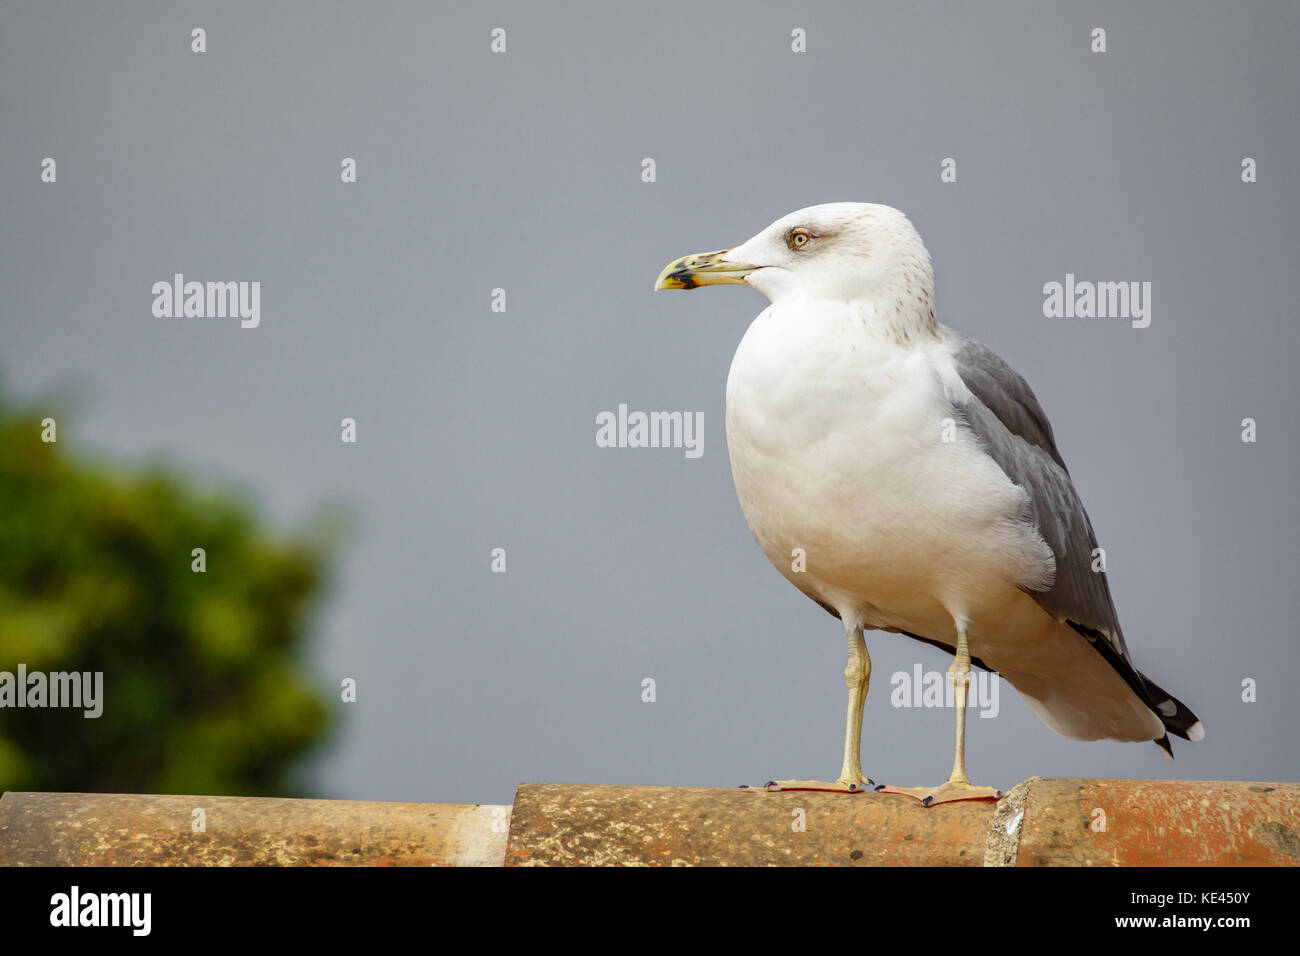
column 958, row 786
column 857, row 675
column 959, row 677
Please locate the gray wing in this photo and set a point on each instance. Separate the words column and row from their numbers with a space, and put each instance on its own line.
column 1010, row 424
column 1007, row 419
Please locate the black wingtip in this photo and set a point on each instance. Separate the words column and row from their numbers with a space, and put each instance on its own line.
column 1173, row 713
column 1164, row 744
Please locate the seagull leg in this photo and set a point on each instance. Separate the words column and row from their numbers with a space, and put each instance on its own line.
column 857, row 675
column 958, row 786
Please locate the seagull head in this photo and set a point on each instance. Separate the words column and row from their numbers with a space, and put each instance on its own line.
column 842, row 252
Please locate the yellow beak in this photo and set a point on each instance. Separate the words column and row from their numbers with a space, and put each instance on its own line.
column 703, row 268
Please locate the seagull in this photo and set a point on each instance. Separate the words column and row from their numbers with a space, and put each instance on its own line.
column 905, row 478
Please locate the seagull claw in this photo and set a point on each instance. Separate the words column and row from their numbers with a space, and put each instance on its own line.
column 838, row 786
column 948, row 792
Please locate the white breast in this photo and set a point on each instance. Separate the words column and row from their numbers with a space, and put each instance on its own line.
column 839, row 447
column 837, row 438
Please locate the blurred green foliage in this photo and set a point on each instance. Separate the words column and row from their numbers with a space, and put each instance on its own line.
column 204, row 690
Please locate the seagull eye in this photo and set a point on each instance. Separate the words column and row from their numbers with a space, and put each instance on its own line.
column 799, row 238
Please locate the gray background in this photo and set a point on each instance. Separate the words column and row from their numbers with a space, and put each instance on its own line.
column 477, row 429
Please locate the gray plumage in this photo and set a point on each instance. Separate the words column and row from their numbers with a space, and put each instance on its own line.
column 1013, row 429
